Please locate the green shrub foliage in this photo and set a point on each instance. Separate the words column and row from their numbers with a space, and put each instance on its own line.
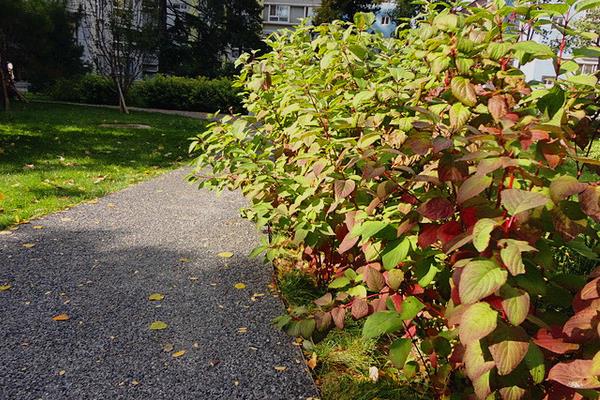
column 170, row 92
column 428, row 185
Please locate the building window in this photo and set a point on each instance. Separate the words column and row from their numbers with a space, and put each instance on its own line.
column 588, row 68
column 386, row 20
column 278, row 13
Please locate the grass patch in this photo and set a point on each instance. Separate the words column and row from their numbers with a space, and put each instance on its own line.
column 298, row 288
column 55, row 156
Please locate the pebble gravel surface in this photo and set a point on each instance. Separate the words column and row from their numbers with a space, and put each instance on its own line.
column 98, row 263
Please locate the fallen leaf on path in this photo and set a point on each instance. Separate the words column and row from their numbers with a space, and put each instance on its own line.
column 38, row 226
column 158, row 325
column 256, row 295
column 156, row 297
column 225, row 254
column 280, row 368
column 111, row 205
column 5, row 233
column 66, row 219
column 195, row 345
column 28, row 245
column 134, row 382
column 61, row 317
column 4, row 287
column 312, row 363
column 243, row 329
column 178, row 353
column 193, row 278
column 239, row 285
column 184, row 260
column 167, row 348
column 62, row 372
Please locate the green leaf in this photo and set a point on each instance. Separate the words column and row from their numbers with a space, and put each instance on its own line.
column 512, row 258
column 515, row 303
column 158, row 325
column 459, row 115
column 516, row 201
column 534, row 359
column 357, row 291
column 399, row 352
column 395, row 278
column 463, row 90
column 339, row 282
column 476, row 322
column 382, row 322
column 586, row 5
column 583, row 79
column 482, row 232
column 362, row 97
column 411, row 306
column 512, row 393
column 593, row 51
column 368, row 228
column 479, row 279
column 534, row 48
column 395, row 252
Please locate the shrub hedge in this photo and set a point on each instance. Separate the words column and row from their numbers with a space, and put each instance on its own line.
column 426, row 185
column 168, row 92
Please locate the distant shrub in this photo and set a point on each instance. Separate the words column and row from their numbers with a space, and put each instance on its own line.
column 169, row 92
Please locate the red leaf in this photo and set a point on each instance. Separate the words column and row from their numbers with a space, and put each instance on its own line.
column 581, row 327
column 469, row 216
column 449, row 231
column 347, row 243
column 556, row 391
column 405, row 226
column 576, row 374
column 591, row 290
column 589, row 200
column 397, row 300
column 450, row 170
column 338, row 315
column 436, row 208
column 552, row 340
column 497, row 107
column 360, row 308
column 427, row 235
column 343, row 189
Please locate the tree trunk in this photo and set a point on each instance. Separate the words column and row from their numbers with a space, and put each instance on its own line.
column 5, row 99
column 122, row 105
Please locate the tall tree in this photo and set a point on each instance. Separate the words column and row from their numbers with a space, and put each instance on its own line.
column 343, row 9
column 119, row 35
column 37, row 36
column 207, row 32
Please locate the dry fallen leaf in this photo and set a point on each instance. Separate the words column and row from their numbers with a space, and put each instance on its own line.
column 62, row 372
column 156, row 297
column 134, row 382
column 225, row 254
column 243, row 329
column 195, row 345
column 28, row 245
column 61, row 317
column 374, row 374
column 38, row 226
column 66, row 219
column 184, row 260
column 158, row 325
column 193, row 278
column 280, row 368
column 312, row 363
column 4, row 287
column 239, row 285
column 167, row 348
column 5, row 233
column 178, row 353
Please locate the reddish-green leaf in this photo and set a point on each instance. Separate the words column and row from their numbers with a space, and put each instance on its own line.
column 589, row 200
column 497, row 107
column 581, row 326
column 459, row 115
column 472, row 187
column 515, row 303
column 511, row 255
column 564, row 187
column 343, row 189
column 463, row 90
column 476, row 322
column 553, row 341
column 591, row 290
column 516, row 201
column 477, row 362
column 360, row 308
column 482, row 386
column 512, row 393
column 479, row 279
column 576, row 374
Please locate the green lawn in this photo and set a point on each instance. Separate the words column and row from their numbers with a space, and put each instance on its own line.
column 55, row 156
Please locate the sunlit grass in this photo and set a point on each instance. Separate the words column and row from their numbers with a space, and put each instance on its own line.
column 55, row 156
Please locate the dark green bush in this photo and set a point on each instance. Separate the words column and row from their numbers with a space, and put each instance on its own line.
column 84, row 89
column 169, row 92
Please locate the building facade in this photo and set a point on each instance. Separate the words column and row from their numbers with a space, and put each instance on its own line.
column 281, row 14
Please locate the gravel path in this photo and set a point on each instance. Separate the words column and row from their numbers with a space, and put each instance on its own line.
column 98, row 263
